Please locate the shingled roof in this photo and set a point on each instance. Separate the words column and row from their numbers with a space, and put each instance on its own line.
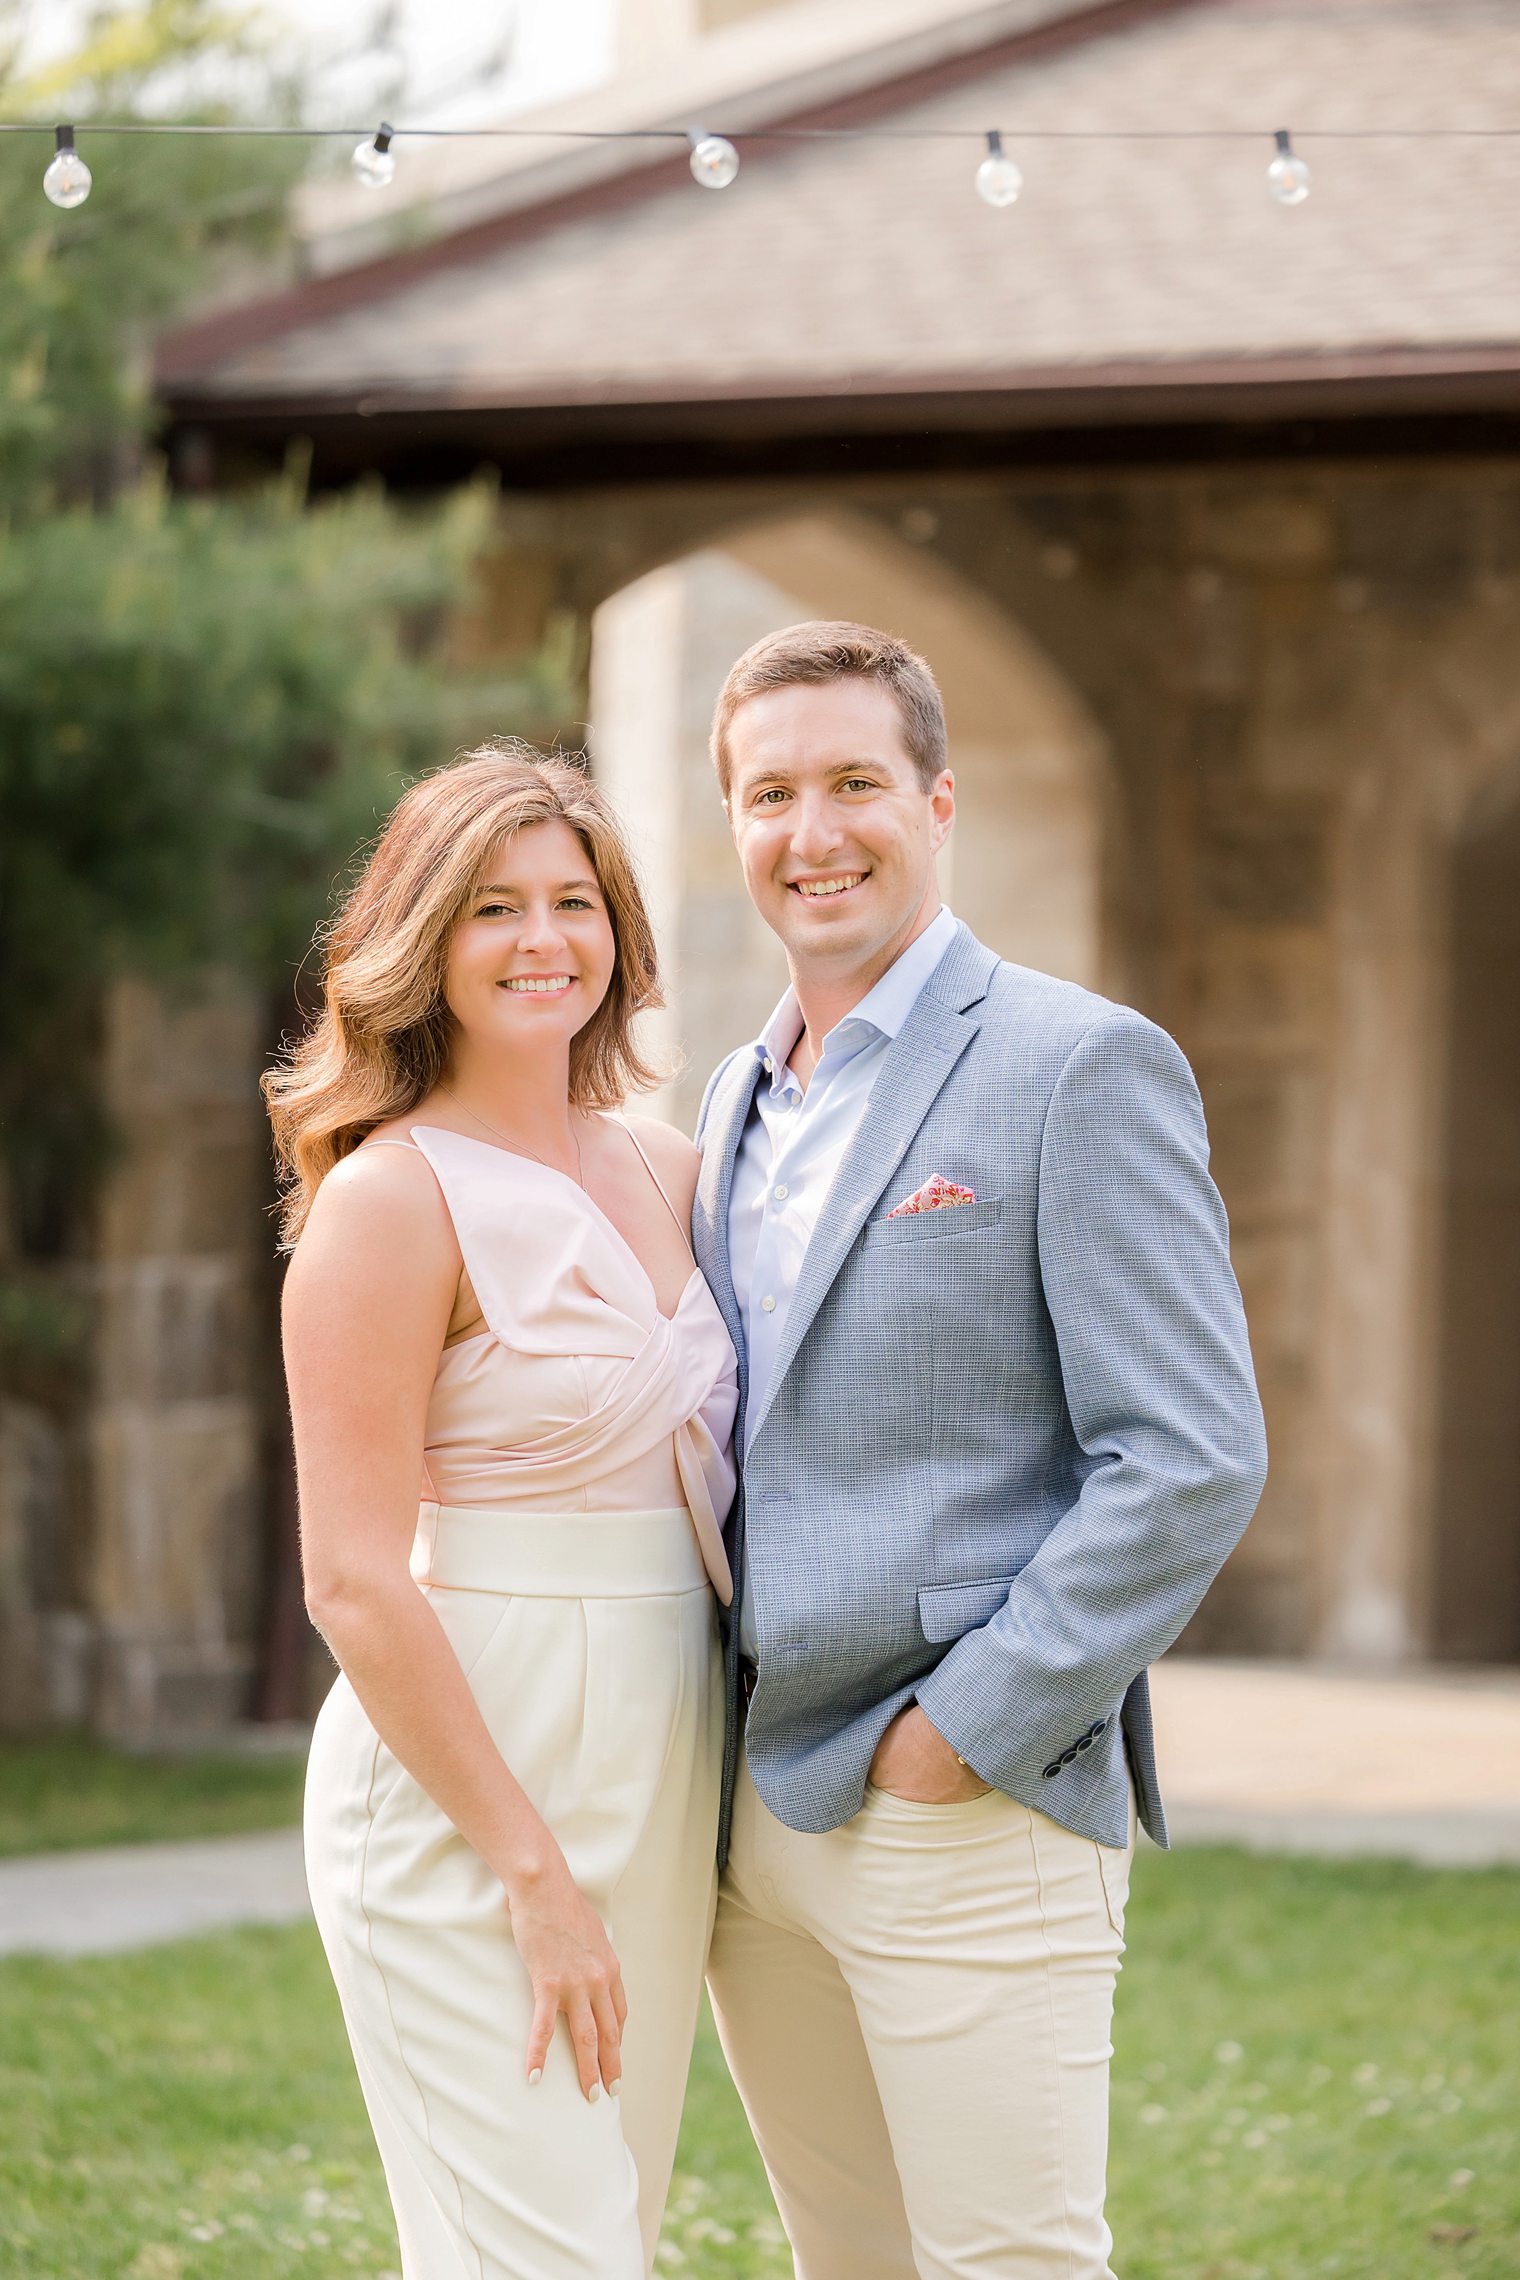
column 871, row 267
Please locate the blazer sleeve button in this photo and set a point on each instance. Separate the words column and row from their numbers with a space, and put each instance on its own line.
column 1051, row 1770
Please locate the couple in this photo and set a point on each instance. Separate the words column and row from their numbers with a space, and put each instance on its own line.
column 951, row 1277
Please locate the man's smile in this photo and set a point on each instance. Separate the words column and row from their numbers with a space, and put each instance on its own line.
column 815, row 890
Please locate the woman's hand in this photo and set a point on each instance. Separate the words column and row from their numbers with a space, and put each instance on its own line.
column 564, row 1944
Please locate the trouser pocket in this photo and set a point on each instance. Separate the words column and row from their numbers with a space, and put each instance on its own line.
column 1113, row 1869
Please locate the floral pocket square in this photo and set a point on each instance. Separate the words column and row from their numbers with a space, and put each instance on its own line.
column 934, row 1195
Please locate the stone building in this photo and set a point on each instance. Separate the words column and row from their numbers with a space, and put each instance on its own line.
column 1207, row 513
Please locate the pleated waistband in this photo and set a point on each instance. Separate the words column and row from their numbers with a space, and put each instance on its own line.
column 558, row 1555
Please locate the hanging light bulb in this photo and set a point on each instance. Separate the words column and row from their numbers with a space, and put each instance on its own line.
column 998, row 180
column 67, row 180
column 1288, row 178
column 374, row 161
column 714, row 160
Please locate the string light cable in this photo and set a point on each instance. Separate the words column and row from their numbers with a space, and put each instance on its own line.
column 714, row 158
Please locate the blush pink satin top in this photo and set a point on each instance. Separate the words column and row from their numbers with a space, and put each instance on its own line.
column 579, row 1395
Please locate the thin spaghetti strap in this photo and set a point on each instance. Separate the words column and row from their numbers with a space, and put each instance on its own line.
column 416, row 1151
column 685, row 1232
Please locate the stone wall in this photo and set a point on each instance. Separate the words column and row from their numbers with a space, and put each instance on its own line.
column 1307, row 691
column 1243, row 747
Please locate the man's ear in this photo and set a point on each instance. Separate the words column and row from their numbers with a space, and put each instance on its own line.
column 942, row 802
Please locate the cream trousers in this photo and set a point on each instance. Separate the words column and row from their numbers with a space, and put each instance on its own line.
column 916, row 2009
column 590, row 1644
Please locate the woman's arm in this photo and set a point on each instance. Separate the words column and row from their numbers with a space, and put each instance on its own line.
column 367, row 1303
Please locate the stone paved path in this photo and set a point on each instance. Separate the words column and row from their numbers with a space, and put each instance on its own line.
column 1286, row 1758
column 1273, row 1756
column 127, row 1896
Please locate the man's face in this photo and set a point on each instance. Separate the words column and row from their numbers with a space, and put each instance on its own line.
column 836, row 834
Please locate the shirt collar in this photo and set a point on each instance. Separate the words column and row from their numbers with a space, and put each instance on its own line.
column 883, row 1009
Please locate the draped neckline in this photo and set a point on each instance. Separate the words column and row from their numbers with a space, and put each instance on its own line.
column 532, row 1164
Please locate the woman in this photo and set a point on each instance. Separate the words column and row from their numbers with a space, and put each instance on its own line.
column 493, row 1307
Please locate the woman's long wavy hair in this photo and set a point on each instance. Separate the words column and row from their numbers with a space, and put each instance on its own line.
column 382, row 1037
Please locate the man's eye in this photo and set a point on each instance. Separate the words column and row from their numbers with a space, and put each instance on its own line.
column 860, row 784
column 775, row 793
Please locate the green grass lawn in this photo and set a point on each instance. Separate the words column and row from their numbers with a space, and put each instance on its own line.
column 1318, row 2073
column 58, row 1794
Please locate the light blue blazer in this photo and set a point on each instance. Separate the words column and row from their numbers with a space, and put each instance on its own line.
column 1009, row 1444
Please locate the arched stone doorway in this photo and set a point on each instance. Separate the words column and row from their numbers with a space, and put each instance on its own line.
column 1475, row 1546
column 1027, row 864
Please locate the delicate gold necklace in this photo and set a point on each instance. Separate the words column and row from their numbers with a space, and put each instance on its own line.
column 520, row 1147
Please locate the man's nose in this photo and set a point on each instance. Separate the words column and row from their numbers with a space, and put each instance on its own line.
column 815, row 830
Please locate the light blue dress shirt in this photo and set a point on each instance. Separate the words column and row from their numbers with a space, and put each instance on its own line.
column 792, row 1146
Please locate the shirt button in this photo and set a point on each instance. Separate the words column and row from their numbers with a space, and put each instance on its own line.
column 781, row 1193
column 767, row 1306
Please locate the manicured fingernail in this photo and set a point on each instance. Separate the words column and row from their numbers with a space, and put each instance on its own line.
column 594, row 2092
column 616, row 2087
column 537, row 2075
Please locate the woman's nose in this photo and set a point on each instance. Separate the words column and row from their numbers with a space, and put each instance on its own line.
column 540, row 930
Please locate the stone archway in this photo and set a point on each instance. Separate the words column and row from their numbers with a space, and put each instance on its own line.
column 1475, row 1497
column 1027, row 865
column 1420, row 1554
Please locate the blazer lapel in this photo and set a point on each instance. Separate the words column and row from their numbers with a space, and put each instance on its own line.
column 917, row 1064
column 721, row 1135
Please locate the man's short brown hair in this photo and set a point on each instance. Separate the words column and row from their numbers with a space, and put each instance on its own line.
column 829, row 649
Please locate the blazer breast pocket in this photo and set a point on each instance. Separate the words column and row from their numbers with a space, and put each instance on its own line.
column 935, row 1226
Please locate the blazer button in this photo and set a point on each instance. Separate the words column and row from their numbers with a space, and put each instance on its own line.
column 1051, row 1770
column 1068, row 1756
column 1086, row 1742
column 1100, row 1728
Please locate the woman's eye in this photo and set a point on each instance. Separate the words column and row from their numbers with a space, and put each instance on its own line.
column 575, row 902
column 492, row 910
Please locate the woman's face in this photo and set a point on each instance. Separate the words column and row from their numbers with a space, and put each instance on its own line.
column 533, row 956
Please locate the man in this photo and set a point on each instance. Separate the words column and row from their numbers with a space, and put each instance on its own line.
column 1000, row 1432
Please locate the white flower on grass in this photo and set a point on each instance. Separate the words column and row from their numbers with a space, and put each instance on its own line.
column 1237, row 2115
column 1460, row 2179
column 669, row 2255
column 1433, row 2082
column 1365, row 2075
column 1450, row 2103
column 1279, row 2121
column 1255, row 2139
column 1152, row 2114
column 1376, row 2106
column 314, row 2200
column 1320, row 2075
column 1229, row 2053
column 298, row 2153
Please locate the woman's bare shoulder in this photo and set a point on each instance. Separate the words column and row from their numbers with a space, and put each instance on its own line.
column 382, row 1196
column 674, row 1157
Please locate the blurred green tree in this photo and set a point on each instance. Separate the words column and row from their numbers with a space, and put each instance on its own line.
column 204, row 704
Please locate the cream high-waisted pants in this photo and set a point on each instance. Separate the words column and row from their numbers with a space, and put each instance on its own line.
column 589, row 1643
column 916, row 2010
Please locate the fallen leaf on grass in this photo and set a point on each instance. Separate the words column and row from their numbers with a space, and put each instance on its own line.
column 1448, row 2236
